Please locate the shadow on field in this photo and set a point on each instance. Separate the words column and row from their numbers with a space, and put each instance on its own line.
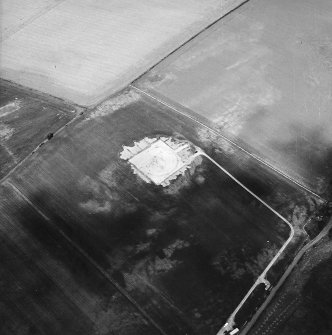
column 48, row 287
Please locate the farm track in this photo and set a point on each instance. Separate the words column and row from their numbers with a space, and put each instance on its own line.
column 4, row 178
column 300, row 254
column 260, row 160
column 142, row 312
column 262, row 277
column 277, row 317
column 168, row 111
column 227, row 12
column 297, row 258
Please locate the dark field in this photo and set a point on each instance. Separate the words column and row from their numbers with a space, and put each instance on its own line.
column 187, row 254
column 25, row 121
column 303, row 303
column 47, row 287
column 314, row 313
column 87, row 247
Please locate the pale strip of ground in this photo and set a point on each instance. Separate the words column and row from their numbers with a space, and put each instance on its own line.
column 82, row 51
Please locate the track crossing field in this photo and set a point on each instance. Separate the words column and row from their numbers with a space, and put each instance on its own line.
column 102, row 232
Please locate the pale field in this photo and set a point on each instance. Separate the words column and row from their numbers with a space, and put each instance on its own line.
column 263, row 76
column 84, row 50
column 15, row 14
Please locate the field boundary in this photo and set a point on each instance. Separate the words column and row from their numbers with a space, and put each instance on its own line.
column 7, row 175
column 216, row 132
column 288, row 271
column 229, row 325
column 227, row 12
column 144, row 314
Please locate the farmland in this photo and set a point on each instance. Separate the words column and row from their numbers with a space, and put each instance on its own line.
column 165, row 167
column 262, row 76
column 47, row 287
column 101, row 46
column 304, row 301
column 25, row 121
column 204, row 229
column 15, row 14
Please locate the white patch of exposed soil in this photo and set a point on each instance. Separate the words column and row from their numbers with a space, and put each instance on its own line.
column 11, row 107
column 110, row 106
column 159, row 160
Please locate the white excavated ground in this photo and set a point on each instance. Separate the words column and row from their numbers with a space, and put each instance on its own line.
column 83, row 51
column 159, row 160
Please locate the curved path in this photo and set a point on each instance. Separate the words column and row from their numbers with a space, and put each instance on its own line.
column 325, row 230
column 229, row 325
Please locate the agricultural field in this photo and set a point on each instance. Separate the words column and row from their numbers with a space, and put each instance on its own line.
column 15, row 14
column 84, row 51
column 47, row 287
column 158, row 177
column 171, row 249
column 26, row 119
column 262, row 76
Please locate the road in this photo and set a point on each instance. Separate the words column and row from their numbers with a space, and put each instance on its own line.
column 229, row 325
column 261, row 279
column 286, row 274
column 214, row 131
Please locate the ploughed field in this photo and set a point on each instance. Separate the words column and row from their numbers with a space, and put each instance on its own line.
column 185, row 254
